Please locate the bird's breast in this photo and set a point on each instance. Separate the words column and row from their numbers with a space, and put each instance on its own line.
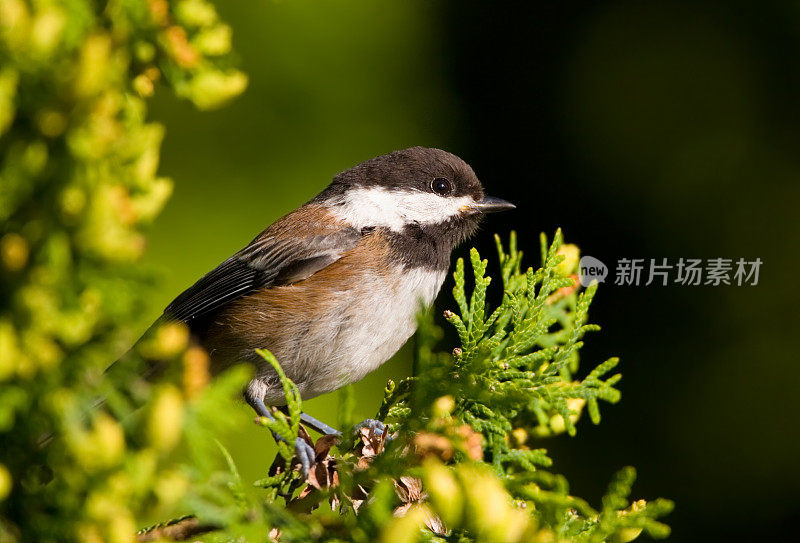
column 376, row 323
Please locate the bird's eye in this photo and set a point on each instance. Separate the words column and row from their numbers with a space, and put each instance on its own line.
column 441, row 186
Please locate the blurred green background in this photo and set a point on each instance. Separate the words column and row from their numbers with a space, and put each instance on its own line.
column 656, row 130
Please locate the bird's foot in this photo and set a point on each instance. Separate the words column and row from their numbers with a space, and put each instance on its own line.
column 371, row 438
column 375, row 426
column 305, row 455
column 303, row 451
column 304, row 448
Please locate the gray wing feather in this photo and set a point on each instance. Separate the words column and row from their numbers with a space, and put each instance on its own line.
column 266, row 262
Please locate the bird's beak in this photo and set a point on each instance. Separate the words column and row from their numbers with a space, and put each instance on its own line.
column 490, row 204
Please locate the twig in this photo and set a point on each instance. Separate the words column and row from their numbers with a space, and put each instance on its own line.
column 179, row 529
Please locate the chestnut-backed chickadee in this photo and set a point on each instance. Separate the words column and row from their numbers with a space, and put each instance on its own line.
column 333, row 288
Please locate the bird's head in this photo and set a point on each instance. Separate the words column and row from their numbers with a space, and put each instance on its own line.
column 415, row 191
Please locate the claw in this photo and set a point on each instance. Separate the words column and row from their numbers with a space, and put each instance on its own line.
column 305, row 455
column 376, row 426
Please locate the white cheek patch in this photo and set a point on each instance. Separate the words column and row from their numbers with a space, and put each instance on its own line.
column 377, row 206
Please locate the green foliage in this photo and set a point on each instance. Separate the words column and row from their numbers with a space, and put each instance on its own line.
column 79, row 184
column 513, row 380
column 464, row 430
column 284, row 426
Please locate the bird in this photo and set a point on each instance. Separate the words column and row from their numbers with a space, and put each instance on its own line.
column 332, row 289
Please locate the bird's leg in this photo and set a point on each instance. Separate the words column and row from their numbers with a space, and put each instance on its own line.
column 320, row 427
column 304, row 452
column 317, row 425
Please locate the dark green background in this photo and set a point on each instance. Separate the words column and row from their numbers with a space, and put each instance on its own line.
column 645, row 131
